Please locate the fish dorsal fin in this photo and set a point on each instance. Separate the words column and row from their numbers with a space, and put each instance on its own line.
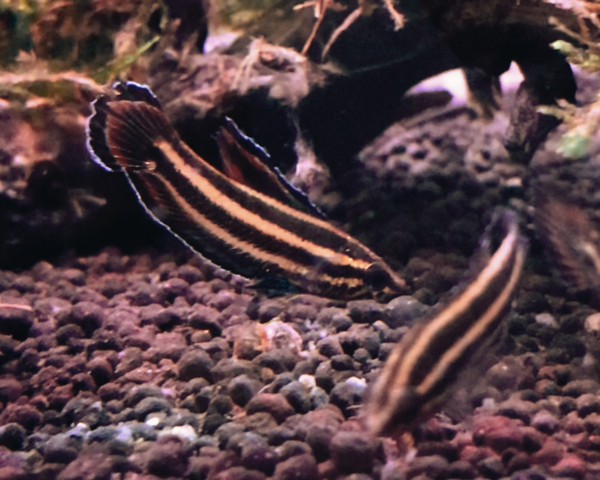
column 247, row 163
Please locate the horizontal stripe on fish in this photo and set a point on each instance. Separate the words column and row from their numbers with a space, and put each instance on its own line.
column 239, row 228
column 429, row 357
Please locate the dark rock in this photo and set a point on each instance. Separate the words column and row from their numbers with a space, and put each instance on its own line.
column 67, row 332
column 353, row 451
column 279, row 360
column 202, row 399
column 545, row 422
column 366, row 311
column 137, row 394
column 167, row 458
column 242, row 389
column 174, row 287
column 434, row 467
column 82, row 382
column 576, row 388
column 162, row 318
column 130, row 359
column 150, row 405
column 404, row 310
column 239, row 473
column 89, row 466
column 329, row 346
column 190, row 274
column 491, row 467
column 10, row 389
column 16, row 322
column 299, row 467
column 212, row 423
column 324, row 376
column 12, row 436
column 586, row 404
column 297, row 396
column 194, row 364
column 443, row 449
column 205, row 318
column 25, row 415
column 269, row 309
column 142, row 294
column 101, row 370
column 342, row 362
column 221, row 404
column 291, row 448
column 88, row 316
column 275, row 404
column 62, row 448
column 346, row 395
column 461, row 469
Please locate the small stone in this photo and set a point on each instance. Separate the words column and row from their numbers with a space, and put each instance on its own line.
column 346, row 395
column 297, row 396
column 404, row 311
column 167, row 458
column 545, row 422
column 205, row 318
column 62, row 448
column 432, row 467
column 194, row 364
column 366, row 311
column 16, row 322
column 274, row 404
column 129, row 359
column 498, row 432
column 586, row 404
column 87, row 315
column 12, row 436
column 101, row 370
column 291, row 448
column 174, row 287
column 242, row 389
column 329, row 346
column 239, row 473
column 570, row 466
column 576, row 388
column 461, row 469
column 10, row 389
column 299, row 467
column 491, row 467
column 89, row 466
column 547, row 320
column 151, row 405
column 353, row 451
column 342, row 362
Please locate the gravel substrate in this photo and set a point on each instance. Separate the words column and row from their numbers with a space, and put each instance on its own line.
column 142, row 367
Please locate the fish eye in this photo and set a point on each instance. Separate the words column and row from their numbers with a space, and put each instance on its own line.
column 376, row 276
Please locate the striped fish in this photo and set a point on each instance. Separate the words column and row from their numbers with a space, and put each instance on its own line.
column 570, row 236
column 272, row 235
column 429, row 357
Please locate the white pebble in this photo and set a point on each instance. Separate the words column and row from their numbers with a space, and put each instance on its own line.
column 546, row 319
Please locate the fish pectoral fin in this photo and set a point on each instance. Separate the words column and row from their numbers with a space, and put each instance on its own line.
column 247, row 163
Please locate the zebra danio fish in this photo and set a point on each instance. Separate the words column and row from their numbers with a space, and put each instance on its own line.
column 254, row 234
column 430, row 356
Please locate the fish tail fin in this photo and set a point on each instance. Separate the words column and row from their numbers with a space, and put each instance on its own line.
column 122, row 131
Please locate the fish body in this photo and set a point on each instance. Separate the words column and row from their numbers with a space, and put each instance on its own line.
column 248, row 232
column 429, row 357
column 572, row 239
